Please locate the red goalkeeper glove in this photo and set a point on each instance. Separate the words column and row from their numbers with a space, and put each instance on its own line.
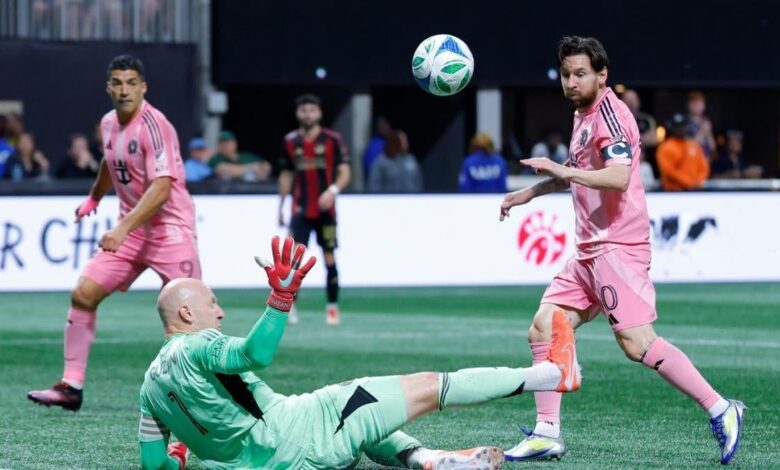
column 285, row 274
column 178, row 451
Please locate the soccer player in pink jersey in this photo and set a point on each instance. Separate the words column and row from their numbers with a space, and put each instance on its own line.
column 156, row 226
column 609, row 272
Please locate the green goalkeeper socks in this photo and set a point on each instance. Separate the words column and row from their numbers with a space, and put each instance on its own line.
column 478, row 385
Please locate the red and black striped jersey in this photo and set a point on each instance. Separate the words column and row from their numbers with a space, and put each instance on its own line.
column 314, row 163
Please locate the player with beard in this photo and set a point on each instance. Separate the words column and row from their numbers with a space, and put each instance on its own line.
column 315, row 168
column 610, row 271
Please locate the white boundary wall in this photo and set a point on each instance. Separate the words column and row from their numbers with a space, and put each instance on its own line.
column 409, row 240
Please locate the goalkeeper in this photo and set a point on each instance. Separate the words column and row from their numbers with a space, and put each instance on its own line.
column 203, row 388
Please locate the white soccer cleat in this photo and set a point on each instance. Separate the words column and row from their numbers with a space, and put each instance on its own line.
column 727, row 429
column 478, row 458
column 536, row 447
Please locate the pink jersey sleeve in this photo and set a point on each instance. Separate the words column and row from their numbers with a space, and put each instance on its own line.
column 160, row 147
column 610, row 135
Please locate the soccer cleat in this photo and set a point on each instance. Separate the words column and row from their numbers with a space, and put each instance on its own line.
column 332, row 315
column 727, row 429
column 478, row 458
column 563, row 353
column 536, row 447
column 61, row 394
column 292, row 316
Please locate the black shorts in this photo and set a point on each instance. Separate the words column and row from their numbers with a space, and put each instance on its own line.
column 324, row 227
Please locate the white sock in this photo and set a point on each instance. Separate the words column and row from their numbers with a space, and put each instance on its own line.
column 718, row 408
column 548, row 429
column 542, row 377
column 79, row 386
column 420, row 455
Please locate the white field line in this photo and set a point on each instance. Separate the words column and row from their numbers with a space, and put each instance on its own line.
column 316, row 337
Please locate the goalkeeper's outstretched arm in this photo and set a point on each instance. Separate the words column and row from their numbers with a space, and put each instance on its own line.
column 230, row 355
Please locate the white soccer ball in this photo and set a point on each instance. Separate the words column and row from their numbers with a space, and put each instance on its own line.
column 443, row 65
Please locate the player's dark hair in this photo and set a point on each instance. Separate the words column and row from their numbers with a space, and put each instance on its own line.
column 591, row 47
column 126, row 62
column 308, row 98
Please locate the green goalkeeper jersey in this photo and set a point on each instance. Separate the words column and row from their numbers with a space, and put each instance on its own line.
column 202, row 388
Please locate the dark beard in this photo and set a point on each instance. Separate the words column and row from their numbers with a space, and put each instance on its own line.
column 585, row 102
column 308, row 127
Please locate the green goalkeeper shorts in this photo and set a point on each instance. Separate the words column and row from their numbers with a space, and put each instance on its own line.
column 334, row 424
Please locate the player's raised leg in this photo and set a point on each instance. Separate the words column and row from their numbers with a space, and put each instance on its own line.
column 559, row 372
column 545, row 441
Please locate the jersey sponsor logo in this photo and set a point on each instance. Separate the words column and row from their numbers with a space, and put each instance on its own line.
column 122, row 172
column 288, row 280
column 540, row 241
column 132, row 147
column 617, row 150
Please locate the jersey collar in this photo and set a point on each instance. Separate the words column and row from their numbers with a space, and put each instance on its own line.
column 595, row 106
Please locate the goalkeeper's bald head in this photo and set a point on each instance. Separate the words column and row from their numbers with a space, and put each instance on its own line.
column 187, row 305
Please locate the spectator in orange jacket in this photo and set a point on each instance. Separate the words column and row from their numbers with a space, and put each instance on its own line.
column 681, row 160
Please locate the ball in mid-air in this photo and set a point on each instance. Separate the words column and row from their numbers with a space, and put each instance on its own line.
column 443, row 65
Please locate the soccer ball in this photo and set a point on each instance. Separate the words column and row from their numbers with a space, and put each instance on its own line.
column 443, row 65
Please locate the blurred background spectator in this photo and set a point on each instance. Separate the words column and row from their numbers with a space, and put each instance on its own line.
column 229, row 163
column 681, row 159
column 197, row 167
column 483, row 170
column 14, row 128
column 648, row 136
column 702, row 126
column 551, row 146
column 730, row 163
column 395, row 170
column 27, row 162
column 6, row 149
column 376, row 146
column 79, row 162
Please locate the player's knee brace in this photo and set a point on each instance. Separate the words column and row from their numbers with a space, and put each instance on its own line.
column 332, row 283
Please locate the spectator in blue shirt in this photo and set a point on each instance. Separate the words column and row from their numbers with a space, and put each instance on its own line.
column 483, row 170
column 197, row 168
column 376, row 146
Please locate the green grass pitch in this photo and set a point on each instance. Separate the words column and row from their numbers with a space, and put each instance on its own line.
column 625, row 416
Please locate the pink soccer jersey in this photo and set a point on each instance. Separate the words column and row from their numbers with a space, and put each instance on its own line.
column 604, row 135
column 140, row 151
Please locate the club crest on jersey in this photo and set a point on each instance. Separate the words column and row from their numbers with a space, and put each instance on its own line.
column 319, row 149
column 584, row 136
column 132, row 147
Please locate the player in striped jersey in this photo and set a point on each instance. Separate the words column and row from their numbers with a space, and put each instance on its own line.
column 315, row 169
column 205, row 388
column 156, row 226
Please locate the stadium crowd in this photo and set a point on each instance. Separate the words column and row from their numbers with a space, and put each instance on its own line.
column 679, row 155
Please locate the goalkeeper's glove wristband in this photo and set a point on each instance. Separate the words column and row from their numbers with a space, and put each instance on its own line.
column 282, row 301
